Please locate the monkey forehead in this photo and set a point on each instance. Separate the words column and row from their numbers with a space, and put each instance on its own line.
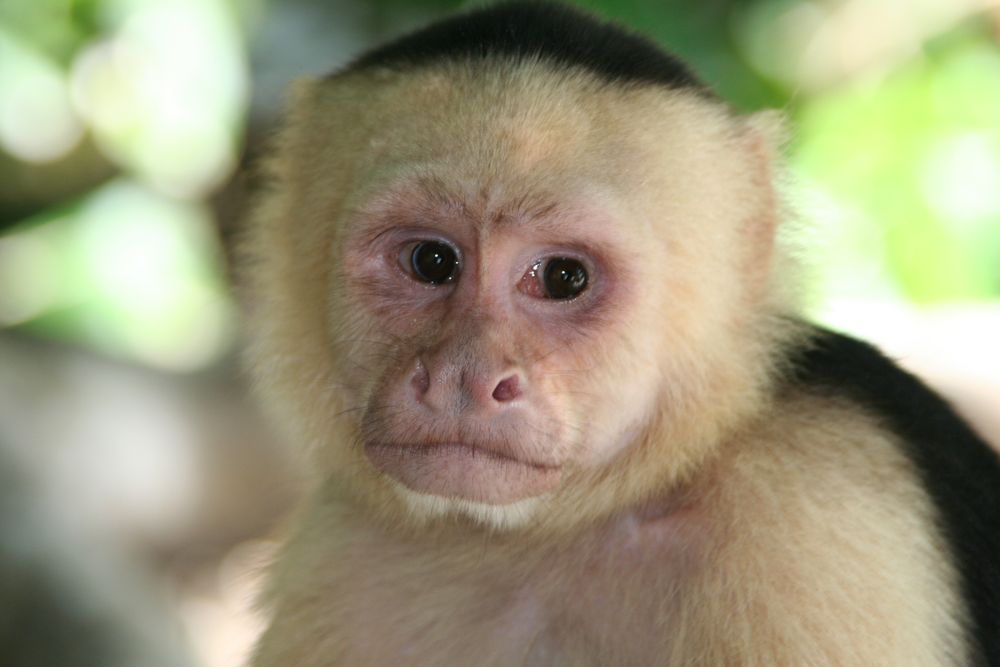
column 424, row 195
column 528, row 126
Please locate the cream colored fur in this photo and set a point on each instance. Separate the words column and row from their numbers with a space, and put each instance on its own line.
column 703, row 519
column 804, row 543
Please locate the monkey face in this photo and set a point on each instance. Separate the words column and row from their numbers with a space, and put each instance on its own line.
column 485, row 295
column 487, row 318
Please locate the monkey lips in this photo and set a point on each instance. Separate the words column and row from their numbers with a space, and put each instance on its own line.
column 485, row 474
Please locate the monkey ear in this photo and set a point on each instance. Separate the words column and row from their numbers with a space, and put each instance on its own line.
column 769, row 134
column 766, row 134
column 292, row 143
column 301, row 89
column 300, row 98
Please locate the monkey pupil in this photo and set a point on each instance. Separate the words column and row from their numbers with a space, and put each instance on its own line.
column 564, row 278
column 434, row 262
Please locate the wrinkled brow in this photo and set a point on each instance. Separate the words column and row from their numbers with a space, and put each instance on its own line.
column 417, row 201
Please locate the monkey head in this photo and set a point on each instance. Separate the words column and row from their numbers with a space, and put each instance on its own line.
column 479, row 288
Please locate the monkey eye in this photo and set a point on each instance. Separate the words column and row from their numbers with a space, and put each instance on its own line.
column 431, row 262
column 560, row 278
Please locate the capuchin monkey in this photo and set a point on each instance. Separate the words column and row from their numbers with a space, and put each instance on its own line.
column 515, row 285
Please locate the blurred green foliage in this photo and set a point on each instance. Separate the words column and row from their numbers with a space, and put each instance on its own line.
column 120, row 119
column 922, row 167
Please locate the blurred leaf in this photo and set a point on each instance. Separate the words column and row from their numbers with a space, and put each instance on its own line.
column 880, row 147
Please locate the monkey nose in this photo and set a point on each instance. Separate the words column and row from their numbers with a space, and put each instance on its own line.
column 451, row 388
column 421, row 379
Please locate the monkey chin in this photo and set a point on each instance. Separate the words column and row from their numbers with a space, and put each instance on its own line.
column 426, row 507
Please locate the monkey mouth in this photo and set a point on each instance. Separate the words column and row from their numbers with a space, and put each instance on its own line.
column 462, row 471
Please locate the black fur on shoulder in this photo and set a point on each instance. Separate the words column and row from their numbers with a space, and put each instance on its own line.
column 960, row 471
column 553, row 32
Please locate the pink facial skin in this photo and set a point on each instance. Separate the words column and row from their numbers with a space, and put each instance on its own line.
column 481, row 400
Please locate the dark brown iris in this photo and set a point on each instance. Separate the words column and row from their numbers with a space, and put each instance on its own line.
column 434, row 262
column 564, row 278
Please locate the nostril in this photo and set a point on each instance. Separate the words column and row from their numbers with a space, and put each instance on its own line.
column 507, row 390
column 421, row 379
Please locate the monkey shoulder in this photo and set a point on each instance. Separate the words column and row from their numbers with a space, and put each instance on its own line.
column 955, row 467
column 859, row 500
column 870, row 439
